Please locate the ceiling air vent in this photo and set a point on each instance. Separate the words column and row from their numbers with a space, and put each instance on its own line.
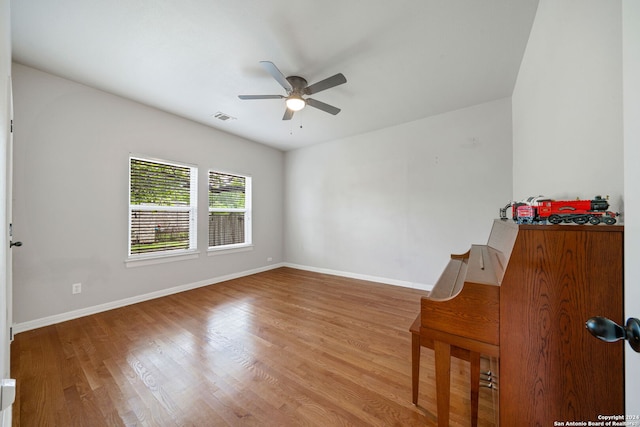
column 222, row 116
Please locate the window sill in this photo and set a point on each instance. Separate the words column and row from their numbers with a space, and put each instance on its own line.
column 160, row 259
column 213, row 251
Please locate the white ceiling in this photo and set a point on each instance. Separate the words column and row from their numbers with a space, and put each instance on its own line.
column 403, row 60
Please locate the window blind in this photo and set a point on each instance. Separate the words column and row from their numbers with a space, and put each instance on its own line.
column 162, row 207
column 228, row 209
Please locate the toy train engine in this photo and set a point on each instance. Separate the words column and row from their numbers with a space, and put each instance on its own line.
column 540, row 210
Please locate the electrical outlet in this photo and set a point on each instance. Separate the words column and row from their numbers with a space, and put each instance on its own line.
column 269, row 259
column 76, row 288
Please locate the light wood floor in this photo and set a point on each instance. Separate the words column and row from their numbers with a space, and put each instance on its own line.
column 280, row 348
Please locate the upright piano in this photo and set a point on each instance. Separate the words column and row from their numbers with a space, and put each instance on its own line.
column 522, row 300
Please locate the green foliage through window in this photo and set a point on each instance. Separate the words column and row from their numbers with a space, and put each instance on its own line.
column 226, row 191
column 159, row 184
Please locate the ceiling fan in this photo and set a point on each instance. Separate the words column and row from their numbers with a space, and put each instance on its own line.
column 296, row 87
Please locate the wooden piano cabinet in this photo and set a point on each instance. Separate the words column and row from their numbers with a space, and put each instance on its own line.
column 459, row 318
column 551, row 368
column 524, row 298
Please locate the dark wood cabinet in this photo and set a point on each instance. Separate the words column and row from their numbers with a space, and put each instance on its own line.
column 551, row 367
column 525, row 297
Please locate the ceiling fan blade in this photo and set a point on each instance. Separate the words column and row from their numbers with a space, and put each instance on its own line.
column 260, row 96
column 288, row 114
column 271, row 68
column 322, row 106
column 327, row 83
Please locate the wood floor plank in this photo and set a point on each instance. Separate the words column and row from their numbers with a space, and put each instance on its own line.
column 281, row 348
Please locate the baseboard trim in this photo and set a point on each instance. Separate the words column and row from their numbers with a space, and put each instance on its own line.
column 63, row 317
column 377, row 279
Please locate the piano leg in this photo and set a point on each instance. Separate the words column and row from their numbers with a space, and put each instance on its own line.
column 474, row 361
column 415, row 366
column 443, row 381
column 443, row 354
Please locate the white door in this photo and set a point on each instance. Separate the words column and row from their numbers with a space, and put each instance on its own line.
column 631, row 112
column 6, row 173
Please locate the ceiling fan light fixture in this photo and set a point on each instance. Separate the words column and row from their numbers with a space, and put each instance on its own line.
column 295, row 103
column 296, row 86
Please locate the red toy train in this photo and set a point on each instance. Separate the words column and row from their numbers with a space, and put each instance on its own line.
column 540, row 210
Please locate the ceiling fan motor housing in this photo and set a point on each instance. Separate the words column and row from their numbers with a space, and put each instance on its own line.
column 298, row 83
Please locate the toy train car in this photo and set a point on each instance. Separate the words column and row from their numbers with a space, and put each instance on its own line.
column 540, row 210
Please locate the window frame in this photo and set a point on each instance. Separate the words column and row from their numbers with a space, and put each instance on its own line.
column 247, row 245
column 171, row 254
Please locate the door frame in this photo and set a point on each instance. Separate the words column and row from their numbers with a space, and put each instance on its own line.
column 6, row 172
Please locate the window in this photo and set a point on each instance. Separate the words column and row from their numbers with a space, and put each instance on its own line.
column 229, row 210
column 162, row 207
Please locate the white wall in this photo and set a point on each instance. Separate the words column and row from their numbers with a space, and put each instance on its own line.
column 568, row 121
column 72, row 145
column 393, row 204
column 567, row 103
column 631, row 90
